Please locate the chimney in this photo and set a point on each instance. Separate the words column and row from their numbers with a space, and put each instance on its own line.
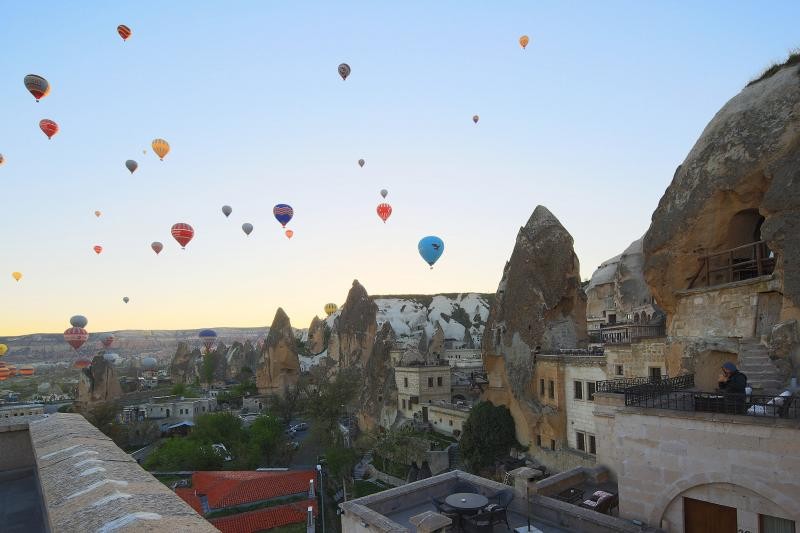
column 310, row 520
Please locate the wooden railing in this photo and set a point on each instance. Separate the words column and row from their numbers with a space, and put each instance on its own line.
column 736, row 264
column 624, row 333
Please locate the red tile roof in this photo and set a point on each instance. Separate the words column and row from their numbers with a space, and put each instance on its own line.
column 232, row 488
column 262, row 519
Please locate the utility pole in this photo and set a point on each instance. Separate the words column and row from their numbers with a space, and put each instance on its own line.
column 321, row 496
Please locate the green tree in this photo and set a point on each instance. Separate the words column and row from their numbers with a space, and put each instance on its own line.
column 488, row 434
column 288, row 405
column 212, row 428
column 267, row 436
column 183, row 454
column 180, row 389
column 210, row 362
column 329, row 401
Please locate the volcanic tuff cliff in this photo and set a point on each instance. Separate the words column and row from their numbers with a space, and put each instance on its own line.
column 539, row 305
column 739, row 184
column 278, row 366
column 98, row 384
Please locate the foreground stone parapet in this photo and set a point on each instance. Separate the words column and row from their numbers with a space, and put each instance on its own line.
column 89, row 484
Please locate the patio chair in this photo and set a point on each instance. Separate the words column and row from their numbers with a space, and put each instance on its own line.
column 477, row 523
column 443, row 509
column 502, row 498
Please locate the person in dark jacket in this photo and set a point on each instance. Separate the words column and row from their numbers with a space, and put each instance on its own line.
column 732, row 381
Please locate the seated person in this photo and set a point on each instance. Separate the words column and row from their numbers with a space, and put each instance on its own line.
column 732, row 381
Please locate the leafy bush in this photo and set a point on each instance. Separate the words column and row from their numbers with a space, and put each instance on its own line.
column 488, row 434
column 183, row 454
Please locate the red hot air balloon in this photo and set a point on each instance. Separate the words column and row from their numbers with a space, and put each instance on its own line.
column 157, row 247
column 82, row 362
column 75, row 337
column 182, row 233
column 49, row 127
column 98, row 249
column 124, row 31
column 289, row 234
column 384, row 211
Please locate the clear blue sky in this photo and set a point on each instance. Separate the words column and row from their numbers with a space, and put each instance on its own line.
column 591, row 121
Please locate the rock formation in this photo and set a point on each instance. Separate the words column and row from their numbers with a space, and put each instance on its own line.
column 97, row 384
column 738, row 185
column 436, row 346
column 241, row 361
column 354, row 331
column 317, row 336
column 539, row 305
column 279, row 366
column 378, row 397
column 185, row 365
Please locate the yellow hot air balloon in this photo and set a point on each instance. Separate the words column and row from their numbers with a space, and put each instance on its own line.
column 330, row 309
column 160, row 147
column 3, row 349
column 16, row 275
column 523, row 41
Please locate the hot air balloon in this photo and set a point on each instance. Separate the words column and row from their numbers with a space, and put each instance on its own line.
column 124, row 31
column 431, row 248
column 182, row 233
column 344, row 70
column 475, row 118
column 209, row 337
column 283, row 213
column 75, row 337
column 82, row 362
column 49, row 127
column 227, row 210
column 126, row 299
column 384, row 211
column 3, row 349
column 26, row 371
column 160, row 147
column 37, row 85
column 149, row 363
column 16, row 275
column 330, row 308
column 157, row 247
column 97, row 214
column 131, row 165
column 12, row 370
column 247, row 228
column 289, row 233
column 97, row 249
column 361, row 163
column 2, row 159
column 112, row 358
column 107, row 340
column 523, row 41
column 78, row 321
column 384, row 193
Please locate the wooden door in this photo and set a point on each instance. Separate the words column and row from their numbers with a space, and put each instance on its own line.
column 706, row 517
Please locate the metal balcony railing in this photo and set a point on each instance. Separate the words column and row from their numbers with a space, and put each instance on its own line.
column 757, row 405
column 625, row 333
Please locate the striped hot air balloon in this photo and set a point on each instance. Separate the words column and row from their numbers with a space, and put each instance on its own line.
column 183, row 233
column 37, row 86
column 97, row 249
column 76, row 337
column 384, row 211
column 160, row 147
column 124, row 31
column 49, row 127
column 157, row 247
column 330, row 308
column 283, row 213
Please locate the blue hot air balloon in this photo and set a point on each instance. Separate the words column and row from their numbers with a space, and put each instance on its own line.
column 431, row 249
column 283, row 213
column 209, row 337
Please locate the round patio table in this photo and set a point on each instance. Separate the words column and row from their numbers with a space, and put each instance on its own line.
column 466, row 501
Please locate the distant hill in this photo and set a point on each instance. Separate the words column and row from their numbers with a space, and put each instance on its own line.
column 160, row 344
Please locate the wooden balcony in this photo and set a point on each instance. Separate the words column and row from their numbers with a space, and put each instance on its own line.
column 625, row 333
column 736, row 264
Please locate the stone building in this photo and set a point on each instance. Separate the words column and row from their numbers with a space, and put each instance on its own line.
column 448, row 418
column 419, row 386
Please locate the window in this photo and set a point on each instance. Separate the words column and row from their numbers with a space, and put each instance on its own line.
column 404, row 404
column 592, row 445
column 539, row 441
column 590, row 390
column 552, row 445
column 655, row 373
column 773, row 524
column 580, row 439
column 405, row 382
column 451, row 421
column 552, row 389
column 541, row 387
column 579, row 390
column 619, row 371
column 439, row 381
column 430, row 382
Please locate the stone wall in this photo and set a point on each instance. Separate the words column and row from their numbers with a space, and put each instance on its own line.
column 580, row 413
column 446, row 420
column 660, row 456
column 638, row 357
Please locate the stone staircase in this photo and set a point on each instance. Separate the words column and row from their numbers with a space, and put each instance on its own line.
column 755, row 363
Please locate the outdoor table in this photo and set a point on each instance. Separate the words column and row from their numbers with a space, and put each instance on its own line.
column 465, row 502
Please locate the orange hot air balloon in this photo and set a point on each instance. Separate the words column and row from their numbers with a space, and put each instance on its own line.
column 97, row 214
column 82, row 362
column 384, row 211
column 49, row 127
column 26, row 371
column 161, row 148
column 97, row 249
column 289, row 234
column 523, row 41
column 124, row 31
column 16, row 275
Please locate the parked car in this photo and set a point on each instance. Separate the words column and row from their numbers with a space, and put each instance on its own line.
column 302, row 426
